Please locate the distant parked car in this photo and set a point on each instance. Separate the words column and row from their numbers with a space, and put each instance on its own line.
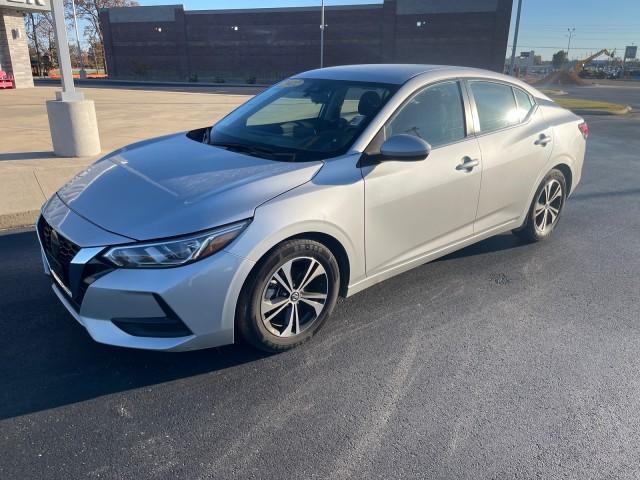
column 323, row 185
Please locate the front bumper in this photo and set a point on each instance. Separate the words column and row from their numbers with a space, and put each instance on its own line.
column 202, row 295
column 172, row 309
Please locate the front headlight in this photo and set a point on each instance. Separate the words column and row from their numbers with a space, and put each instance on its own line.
column 175, row 252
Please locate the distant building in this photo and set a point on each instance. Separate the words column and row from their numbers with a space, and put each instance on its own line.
column 169, row 43
column 523, row 63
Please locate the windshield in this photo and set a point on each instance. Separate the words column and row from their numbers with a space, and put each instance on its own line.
column 302, row 119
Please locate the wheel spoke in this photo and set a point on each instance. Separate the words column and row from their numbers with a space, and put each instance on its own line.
column 268, row 305
column 317, row 306
column 292, row 322
column 557, row 194
column 286, row 268
column 540, row 218
column 539, row 209
column 278, row 278
column 310, row 269
column 270, row 310
column 315, row 270
column 297, row 319
column 313, row 295
column 547, row 192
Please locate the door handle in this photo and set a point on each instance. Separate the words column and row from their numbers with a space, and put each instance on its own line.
column 468, row 164
column 543, row 140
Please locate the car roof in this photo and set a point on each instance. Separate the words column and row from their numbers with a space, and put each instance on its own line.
column 399, row 74
column 378, row 73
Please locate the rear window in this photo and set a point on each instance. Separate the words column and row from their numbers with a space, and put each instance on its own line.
column 525, row 103
column 496, row 105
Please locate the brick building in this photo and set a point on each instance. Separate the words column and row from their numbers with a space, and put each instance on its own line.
column 168, row 43
column 14, row 52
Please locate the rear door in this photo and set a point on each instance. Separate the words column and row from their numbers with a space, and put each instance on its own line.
column 516, row 143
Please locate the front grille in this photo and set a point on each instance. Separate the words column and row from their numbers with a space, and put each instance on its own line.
column 58, row 250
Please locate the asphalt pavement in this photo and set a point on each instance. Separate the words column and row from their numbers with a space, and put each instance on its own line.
column 505, row 360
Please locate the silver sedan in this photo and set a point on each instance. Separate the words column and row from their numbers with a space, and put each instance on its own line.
column 325, row 184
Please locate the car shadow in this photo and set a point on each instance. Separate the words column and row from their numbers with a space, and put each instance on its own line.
column 47, row 360
column 490, row 245
column 630, row 192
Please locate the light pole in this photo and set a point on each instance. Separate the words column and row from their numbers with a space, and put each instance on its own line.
column 83, row 73
column 322, row 35
column 571, row 32
column 515, row 39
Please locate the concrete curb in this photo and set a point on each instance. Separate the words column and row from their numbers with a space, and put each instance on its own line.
column 552, row 92
column 12, row 221
column 147, row 83
column 595, row 111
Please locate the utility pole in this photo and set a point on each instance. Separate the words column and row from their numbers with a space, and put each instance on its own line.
column 515, row 39
column 571, row 31
column 322, row 35
column 83, row 73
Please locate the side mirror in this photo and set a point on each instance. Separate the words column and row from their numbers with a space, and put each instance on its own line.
column 405, row 147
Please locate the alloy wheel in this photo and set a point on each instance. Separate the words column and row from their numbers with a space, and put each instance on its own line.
column 548, row 206
column 294, row 297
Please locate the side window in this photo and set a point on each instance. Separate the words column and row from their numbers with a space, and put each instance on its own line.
column 525, row 103
column 436, row 115
column 496, row 105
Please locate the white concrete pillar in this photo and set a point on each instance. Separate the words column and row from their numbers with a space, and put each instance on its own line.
column 72, row 119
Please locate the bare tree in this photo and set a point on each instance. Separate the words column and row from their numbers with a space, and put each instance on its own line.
column 41, row 35
column 89, row 10
column 41, row 39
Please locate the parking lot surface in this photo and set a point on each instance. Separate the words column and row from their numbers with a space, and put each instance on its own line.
column 505, row 360
column 625, row 93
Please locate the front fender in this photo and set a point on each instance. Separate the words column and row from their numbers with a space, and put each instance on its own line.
column 320, row 206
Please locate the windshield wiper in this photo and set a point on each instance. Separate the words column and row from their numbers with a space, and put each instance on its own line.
column 254, row 151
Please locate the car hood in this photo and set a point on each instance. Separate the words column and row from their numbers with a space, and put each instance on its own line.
column 173, row 185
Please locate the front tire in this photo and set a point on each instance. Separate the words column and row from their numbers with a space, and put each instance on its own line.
column 289, row 296
column 545, row 210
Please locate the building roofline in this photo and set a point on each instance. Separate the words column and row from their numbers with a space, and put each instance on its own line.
column 364, row 6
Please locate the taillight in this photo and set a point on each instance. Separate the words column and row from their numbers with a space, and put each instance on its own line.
column 584, row 129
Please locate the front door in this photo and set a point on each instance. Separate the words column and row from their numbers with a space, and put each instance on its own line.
column 413, row 208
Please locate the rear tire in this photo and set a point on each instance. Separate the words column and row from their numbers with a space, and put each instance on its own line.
column 289, row 296
column 546, row 208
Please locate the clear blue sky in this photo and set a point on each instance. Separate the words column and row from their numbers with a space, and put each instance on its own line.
column 543, row 27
